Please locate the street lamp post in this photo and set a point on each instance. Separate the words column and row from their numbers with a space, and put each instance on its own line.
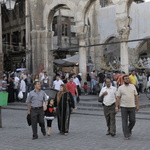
column 10, row 4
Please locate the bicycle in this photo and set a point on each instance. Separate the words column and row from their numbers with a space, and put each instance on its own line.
column 148, row 93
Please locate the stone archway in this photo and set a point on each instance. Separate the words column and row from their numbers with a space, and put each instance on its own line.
column 87, row 9
column 140, row 45
column 142, row 54
column 80, row 9
column 42, row 13
column 55, row 38
column 82, row 27
column 52, row 13
column 50, row 9
column 111, row 53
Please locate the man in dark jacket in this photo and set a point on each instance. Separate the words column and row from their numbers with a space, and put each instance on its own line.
column 101, row 77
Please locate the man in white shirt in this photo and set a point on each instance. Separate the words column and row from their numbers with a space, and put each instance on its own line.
column 16, row 87
column 24, row 75
column 109, row 98
column 57, row 83
column 78, row 84
column 23, row 88
column 76, row 80
column 127, row 100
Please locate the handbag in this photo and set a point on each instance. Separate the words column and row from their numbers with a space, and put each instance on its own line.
column 20, row 95
column 28, row 119
column 78, row 99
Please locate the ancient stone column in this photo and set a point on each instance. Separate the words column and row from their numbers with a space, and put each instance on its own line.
column 42, row 56
column 82, row 56
column 37, row 52
column 37, row 29
column 123, row 24
column 50, row 54
column 124, row 54
column 124, row 57
column 47, row 46
column 28, row 37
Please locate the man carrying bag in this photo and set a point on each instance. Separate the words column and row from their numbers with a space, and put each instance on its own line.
column 35, row 101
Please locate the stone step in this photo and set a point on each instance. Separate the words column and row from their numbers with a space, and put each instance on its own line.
column 88, row 98
column 85, row 110
column 90, row 104
column 15, row 107
column 89, row 108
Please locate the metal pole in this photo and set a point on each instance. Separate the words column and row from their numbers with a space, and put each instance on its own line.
column 0, row 117
column 1, row 58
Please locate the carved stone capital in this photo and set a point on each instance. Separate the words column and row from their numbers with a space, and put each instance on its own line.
column 123, row 24
column 81, row 36
column 124, row 33
column 109, row 2
column 51, row 34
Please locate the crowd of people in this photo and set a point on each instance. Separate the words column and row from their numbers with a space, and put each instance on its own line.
column 95, row 81
column 118, row 91
column 68, row 87
column 121, row 91
column 24, row 82
column 140, row 79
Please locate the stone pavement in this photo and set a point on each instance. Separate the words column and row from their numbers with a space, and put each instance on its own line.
column 87, row 132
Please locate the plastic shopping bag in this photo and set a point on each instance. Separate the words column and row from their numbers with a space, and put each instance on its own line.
column 20, row 95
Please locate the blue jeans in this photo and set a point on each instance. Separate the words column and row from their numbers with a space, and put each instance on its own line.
column 93, row 83
column 85, row 91
column 75, row 100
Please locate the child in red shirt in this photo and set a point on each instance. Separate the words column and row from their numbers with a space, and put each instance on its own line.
column 85, row 87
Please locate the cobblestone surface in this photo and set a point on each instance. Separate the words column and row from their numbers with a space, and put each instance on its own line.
column 87, row 132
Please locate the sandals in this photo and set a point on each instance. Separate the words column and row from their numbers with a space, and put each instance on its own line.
column 126, row 138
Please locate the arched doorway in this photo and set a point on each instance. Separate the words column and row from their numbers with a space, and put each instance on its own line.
column 143, row 55
column 79, row 10
column 64, row 39
column 111, row 53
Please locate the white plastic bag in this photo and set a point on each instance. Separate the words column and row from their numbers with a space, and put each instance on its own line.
column 20, row 95
column 148, row 84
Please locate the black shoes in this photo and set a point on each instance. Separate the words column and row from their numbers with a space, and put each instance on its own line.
column 112, row 134
column 35, row 137
column 44, row 133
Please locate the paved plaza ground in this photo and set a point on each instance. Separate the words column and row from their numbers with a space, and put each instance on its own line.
column 87, row 132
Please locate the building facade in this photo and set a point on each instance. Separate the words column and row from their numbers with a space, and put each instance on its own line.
column 13, row 36
column 114, row 34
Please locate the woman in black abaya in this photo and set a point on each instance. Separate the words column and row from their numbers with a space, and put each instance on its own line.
column 64, row 103
column 11, row 90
